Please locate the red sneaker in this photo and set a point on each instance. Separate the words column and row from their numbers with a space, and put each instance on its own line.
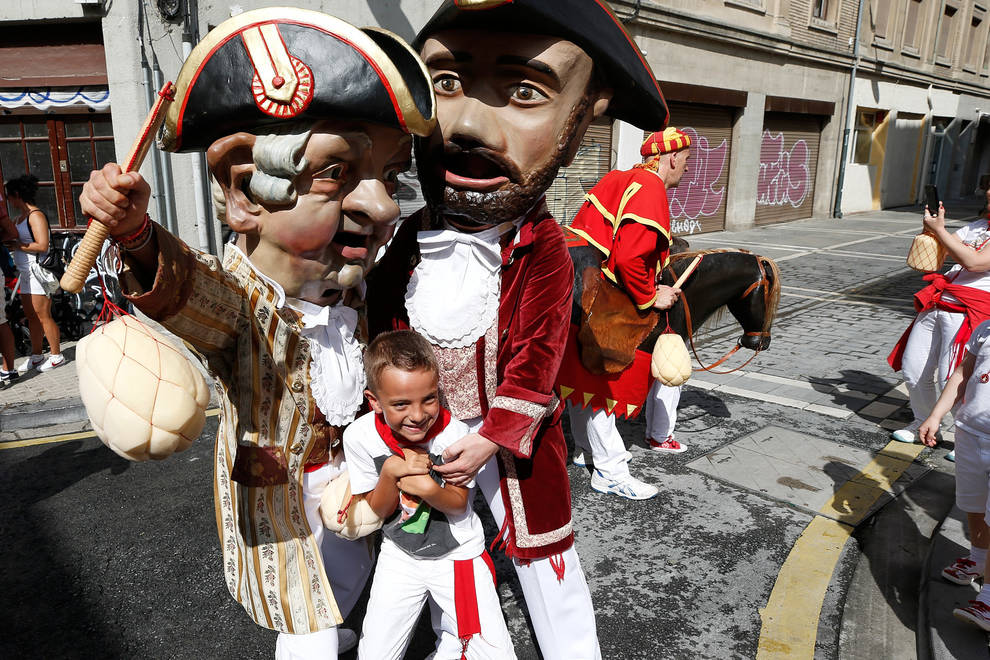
column 669, row 445
column 978, row 613
column 962, row 571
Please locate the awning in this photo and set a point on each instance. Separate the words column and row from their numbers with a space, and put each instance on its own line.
column 91, row 97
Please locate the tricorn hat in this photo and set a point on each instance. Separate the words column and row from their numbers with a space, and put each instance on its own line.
column 279, row 65
column 588, row 23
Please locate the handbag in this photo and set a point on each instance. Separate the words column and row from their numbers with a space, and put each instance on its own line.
column 48, row 280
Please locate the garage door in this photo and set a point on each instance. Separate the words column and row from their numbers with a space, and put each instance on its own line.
column 788, row 163
column 698, row 204
column 566, row 194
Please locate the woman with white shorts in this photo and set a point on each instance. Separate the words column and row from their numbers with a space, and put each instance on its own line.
column 33, row 238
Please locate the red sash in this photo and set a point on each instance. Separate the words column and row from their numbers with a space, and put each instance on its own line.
column 973, row 302
column 396, row 443
column 466, row 599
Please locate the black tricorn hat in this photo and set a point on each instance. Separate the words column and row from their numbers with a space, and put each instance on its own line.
column 280, row 64
column 588, row 23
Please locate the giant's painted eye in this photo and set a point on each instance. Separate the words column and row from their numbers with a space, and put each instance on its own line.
column 527, row 93
column 333, row 172
column 446, row 84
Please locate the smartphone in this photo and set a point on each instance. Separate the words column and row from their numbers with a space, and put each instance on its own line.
column 931, row 199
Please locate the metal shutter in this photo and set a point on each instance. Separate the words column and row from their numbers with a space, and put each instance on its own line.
column 788, row 164
column 566, row 195
column 697, row 204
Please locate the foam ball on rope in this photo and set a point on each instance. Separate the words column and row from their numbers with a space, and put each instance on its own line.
column 143, row 396
column 671, row 362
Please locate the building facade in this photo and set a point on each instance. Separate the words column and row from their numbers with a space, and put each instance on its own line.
column 761, row 85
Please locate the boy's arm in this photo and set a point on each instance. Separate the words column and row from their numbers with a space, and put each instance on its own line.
column 952, row 393
column 449, row 499
column 384, row 499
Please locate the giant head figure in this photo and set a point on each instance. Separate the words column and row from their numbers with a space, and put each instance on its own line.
column 517, row 84
column 307, row 121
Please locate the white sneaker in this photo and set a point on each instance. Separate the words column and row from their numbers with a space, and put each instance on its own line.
column 52, row 362
column 346, row 640
column 30, row 363
column 580, row 460
column 629, row 487
column 908, row 434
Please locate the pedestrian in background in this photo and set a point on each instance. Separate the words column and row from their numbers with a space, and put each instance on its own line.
column 8, row 236
column 972, row 419
column 33, row 236
column 949, row 308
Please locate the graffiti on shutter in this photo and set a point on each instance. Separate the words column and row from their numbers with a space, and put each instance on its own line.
column 785, row 187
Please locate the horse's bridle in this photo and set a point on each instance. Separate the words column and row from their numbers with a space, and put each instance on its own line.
column 762, row 333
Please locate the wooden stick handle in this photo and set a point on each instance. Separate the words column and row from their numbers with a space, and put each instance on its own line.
column 687, row 272
column 92, row 242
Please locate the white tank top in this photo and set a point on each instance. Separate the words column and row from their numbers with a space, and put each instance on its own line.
column 23, row 259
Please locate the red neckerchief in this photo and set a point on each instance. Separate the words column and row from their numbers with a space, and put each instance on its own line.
column 396, row 443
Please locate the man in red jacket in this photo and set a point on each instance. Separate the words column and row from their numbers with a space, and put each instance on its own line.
column 627, row 218
column 483, row 272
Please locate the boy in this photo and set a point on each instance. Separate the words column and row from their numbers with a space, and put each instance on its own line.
column 304, row 163
column 972, row 465
column 434, row 544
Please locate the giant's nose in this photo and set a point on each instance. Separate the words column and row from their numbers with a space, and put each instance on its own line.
column 472, row 120
column 370, row 204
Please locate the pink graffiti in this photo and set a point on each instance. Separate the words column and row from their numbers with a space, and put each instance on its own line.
column 784, row 176
column 696, row 195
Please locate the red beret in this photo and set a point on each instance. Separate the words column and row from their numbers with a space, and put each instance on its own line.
column 665, row 142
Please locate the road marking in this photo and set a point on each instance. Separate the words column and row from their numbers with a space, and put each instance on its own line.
column 67, row 437
column 790, row 618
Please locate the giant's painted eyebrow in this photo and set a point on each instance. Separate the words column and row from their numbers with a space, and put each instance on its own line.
column 531, row 63
column 447, row 56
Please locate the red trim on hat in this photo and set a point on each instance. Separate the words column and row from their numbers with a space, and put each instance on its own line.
column 209, row 56
column 639, row 54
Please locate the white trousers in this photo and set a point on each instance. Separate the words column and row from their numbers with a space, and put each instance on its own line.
column 561, row 611
column 926, row 358
column 347, row 564
column 595, row 432
column 661, row 410
column 401, row 586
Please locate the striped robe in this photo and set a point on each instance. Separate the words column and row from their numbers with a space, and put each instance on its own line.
column 269, row 427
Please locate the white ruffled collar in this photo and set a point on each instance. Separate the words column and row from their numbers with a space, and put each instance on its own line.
column 453, row 295
column 336, row 368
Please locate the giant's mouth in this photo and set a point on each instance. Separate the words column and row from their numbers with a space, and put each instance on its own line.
column 351, row 245
column 474, row 170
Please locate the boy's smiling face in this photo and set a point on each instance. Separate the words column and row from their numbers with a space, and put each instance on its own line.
column 409, row 401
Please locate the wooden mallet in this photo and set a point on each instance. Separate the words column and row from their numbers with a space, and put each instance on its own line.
column 92, row 242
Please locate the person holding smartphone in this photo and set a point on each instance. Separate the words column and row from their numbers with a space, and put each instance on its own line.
column 949, row 308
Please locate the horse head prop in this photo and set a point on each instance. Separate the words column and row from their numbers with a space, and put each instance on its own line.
column 746, row 284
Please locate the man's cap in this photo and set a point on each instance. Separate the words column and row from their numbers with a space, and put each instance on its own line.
column 665, row 142
column 588, row 23
column 285, row 65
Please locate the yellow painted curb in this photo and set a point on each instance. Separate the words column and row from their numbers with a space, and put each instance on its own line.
column 790, row 619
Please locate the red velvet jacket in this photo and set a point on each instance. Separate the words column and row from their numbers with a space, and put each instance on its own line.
column 524, row 417
column 626, row 216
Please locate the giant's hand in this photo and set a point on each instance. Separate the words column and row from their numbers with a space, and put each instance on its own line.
column 465, row 457
column 116, row 199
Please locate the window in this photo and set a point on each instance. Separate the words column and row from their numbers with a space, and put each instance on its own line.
column 976, row 40
column 867, row 122
column 819, row 9
column 60, row 152
column 946, row 32
column 911, row 19
column 881, row 15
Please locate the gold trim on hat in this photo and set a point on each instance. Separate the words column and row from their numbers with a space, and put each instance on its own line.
column 479, row 4
column 416, row 122
column 271, row 62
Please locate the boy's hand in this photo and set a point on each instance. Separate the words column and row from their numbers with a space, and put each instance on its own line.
column 928, row 430
column 116, row 199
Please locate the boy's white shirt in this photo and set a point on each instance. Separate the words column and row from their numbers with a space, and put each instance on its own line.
column 362, row 444
column 336, row 368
